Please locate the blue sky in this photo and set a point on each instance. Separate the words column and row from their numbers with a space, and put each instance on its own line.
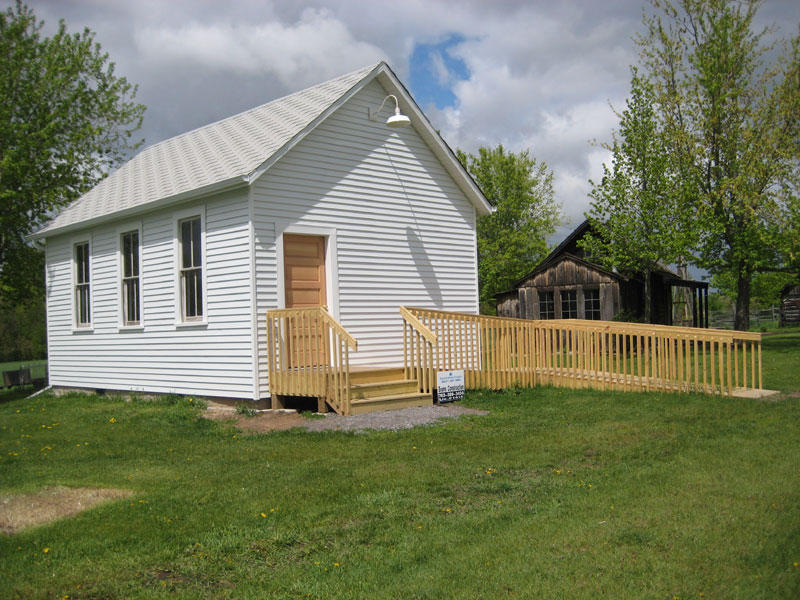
column 433, row 70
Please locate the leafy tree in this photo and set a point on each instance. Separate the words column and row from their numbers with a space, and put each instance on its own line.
column 765, row 288
column 638, row 214
column 731, row 121
column 512, row 239
column 66, row 119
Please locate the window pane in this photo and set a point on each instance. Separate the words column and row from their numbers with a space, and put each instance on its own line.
column 569, row 304
column 546, row 305
column 196, row 248
column 192, row 287
column 186, row 244
column 591, row 304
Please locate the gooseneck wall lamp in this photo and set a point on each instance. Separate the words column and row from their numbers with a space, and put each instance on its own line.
column 398, row 119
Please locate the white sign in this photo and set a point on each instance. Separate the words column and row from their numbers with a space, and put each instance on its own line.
column 450, row 386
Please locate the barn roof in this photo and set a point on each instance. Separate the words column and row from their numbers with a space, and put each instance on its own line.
column 237, row 150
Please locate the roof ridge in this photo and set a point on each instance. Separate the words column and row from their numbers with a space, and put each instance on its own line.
column 259, row 107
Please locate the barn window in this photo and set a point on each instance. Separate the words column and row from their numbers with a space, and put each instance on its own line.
column 591, row 304
column 569, row 304
column 191, row 268
column 131, row 303
column 83, row 309
column 547, row 305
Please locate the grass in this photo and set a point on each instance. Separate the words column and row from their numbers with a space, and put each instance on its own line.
column 554, row 494
column 780, row 361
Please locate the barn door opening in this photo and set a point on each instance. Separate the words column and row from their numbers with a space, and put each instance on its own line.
column 304, row 283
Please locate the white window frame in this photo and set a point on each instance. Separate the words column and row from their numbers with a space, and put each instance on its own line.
column 178, row 218
column 122, row 230
column 78, row 327
column 331, row 263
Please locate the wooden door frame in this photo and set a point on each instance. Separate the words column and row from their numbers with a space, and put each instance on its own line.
column 329, row 236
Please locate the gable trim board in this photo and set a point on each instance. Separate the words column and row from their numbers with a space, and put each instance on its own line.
column 399, row 228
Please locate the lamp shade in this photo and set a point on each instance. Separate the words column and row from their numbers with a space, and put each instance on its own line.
column 398, row 120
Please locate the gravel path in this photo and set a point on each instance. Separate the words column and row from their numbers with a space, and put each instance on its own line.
column 403, row 418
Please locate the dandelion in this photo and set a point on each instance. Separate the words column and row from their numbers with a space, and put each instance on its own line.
column 112, row 420
column 336, row 564
column 46, row 550
column 264, row 515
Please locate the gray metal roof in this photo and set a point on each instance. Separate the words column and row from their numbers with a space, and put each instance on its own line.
column 236, row 151
column 222, row 151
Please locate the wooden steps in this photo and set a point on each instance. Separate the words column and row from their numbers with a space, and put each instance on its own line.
column 384, row 389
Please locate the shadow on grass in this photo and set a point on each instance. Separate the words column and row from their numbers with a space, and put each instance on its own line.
column 16, row 393
column 785, row 343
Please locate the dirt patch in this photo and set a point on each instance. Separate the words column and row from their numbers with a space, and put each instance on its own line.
column 266, row 421
column 20, row 511
column 262, row 422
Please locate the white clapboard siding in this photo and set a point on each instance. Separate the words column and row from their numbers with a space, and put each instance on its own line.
column 405, row 232
column 213, row 360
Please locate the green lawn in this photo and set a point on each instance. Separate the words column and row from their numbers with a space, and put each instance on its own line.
column 555, row 494
column 781, row 361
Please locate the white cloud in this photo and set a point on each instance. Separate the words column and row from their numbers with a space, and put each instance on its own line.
column 316, row 47
column 439, row 69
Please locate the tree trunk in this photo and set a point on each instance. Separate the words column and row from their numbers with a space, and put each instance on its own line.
column 741, row 321
column 648, row 301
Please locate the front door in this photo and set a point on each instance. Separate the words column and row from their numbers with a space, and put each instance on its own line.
column 304, row 272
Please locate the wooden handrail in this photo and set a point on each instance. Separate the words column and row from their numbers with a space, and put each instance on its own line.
column 419, row 344
column 308, row 354
column 323, row 312
column 417, row 324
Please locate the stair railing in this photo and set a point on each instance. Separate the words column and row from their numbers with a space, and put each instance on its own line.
column 419, row 344
column 308, row 354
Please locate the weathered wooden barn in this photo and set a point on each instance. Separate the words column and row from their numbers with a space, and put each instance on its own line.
column 790, row 306
column 568, row 285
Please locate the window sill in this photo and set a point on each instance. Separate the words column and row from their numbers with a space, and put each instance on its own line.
column 130, row 328
column 191, row 324
column 83, row 330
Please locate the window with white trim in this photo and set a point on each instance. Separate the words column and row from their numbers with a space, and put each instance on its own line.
column 83, row 308
column 191, row 268
column 131, row 288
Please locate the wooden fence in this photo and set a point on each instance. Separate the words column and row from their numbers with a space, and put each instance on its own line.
column 499, row 352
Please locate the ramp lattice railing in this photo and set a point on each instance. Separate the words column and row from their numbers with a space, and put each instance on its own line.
column 497, row 352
